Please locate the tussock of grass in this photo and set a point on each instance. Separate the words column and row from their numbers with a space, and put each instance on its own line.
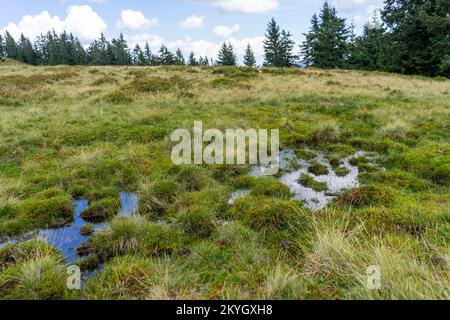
column 270, row 187
column 328, row 131
column 366, row 196
column 196, row 221
column 266, row 214
column 135, row 235
column 156, row 197
column 318, row 169
column 31, row 271
column 307, row 181
column 101, row 210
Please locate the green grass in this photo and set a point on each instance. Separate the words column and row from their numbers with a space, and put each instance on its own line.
column 309, row 182
column 65, row 140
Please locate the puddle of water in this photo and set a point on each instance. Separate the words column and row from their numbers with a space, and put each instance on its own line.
column 292, row 169
column 68, row 238
column 316, row 200
column 129, row 204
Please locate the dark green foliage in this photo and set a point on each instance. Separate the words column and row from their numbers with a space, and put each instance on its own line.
column 418, row 38
column 369, row 48
column 2, row 47
column 192, row 61
column 226, row 56
column 249, row 58
column 179, row 58
column 326, row 43
column 278, row 47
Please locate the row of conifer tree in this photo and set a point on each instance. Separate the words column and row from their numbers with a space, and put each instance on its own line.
column 406, row 36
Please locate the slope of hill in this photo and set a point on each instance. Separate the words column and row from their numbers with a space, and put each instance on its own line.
column 93, row 132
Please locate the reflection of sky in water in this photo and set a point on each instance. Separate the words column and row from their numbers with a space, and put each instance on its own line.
column 68, row 238
column 129, row 204
column 293, row 167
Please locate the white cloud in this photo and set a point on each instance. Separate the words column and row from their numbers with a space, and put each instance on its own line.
column 80, row 20
column 245, row 6
column 199, row 47
column 226, row 31
column 131, row 19
column 355, row 5
column 192, row 22
column 84, row 22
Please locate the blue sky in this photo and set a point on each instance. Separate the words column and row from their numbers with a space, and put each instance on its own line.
column 193, row 25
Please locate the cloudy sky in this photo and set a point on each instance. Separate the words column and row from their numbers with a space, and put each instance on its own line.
column 192, row 25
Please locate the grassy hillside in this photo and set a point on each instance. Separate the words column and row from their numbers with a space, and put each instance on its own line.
column 92, row 132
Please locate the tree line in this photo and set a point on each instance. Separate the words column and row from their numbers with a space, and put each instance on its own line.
column 406, row 36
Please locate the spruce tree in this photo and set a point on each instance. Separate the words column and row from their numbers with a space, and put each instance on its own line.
column 2, row 47
column 192, row 61
column 418, row 36
column 249, row 57
column 272, row 45
column 138, row 57
column 226, row 56
column 278, row 46
column 150, row 59
column 308, row 48
column 166, row 58
column 10, row 46
column 369, row 49
column 120, row 52
column 179, row 58
column 25, row 51
column 326, row 44
column 203, row 61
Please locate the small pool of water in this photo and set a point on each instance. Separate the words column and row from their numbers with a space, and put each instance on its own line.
column 292, row 168
column 68, row 238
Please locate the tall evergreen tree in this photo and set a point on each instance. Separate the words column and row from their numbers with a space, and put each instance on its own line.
column 203, row 61
column 326, row 44
column 166, row 58
column 308, row 49
column 101, row 52
column 369, row 48
column 179, row 58
column 249, row 57
column 418, row 36
column 226, row 56
column 138, row 57
column 119, row 50
column 192, row 61
column 278, row 46
column 25, row 51
column 149, row 57
column 11, row 48
column 2, row 47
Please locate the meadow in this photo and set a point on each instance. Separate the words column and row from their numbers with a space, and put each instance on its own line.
column 92, row 132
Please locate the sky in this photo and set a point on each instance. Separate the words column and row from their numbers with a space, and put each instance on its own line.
column 200, row 26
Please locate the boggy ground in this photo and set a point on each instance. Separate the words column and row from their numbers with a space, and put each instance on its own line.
column 91, row 132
